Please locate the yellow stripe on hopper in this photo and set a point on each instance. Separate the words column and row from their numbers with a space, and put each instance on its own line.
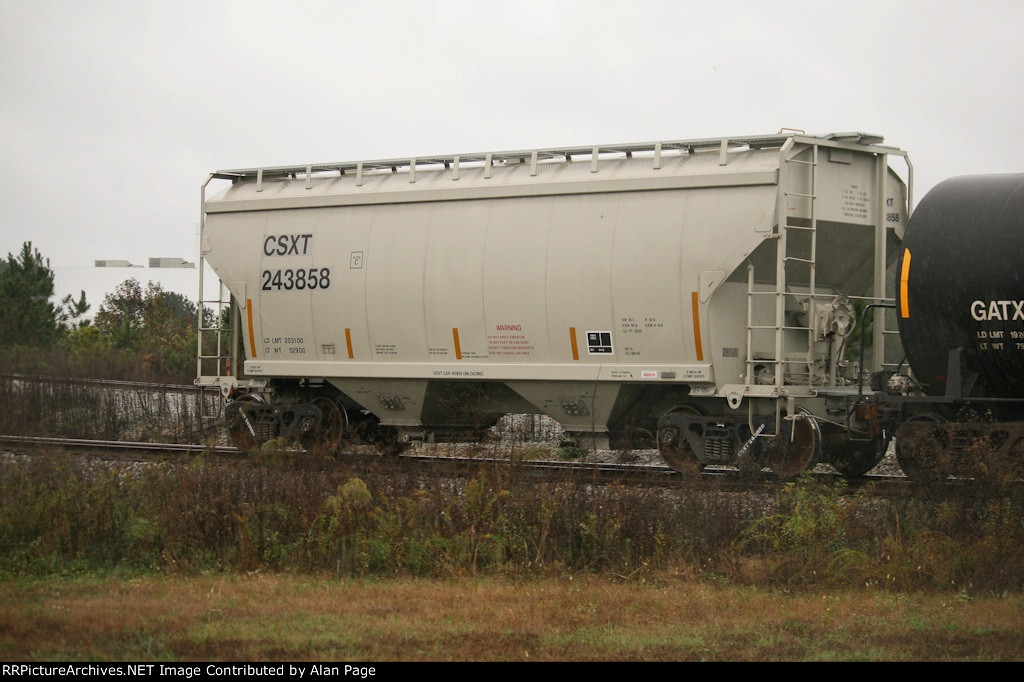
column 695, row 300
column 252, row 337
column 458, row 348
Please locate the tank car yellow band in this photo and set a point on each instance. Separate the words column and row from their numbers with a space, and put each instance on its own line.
column 904, row 277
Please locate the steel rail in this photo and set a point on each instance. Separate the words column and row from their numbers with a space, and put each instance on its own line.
column 112, row 383
column 86, row 443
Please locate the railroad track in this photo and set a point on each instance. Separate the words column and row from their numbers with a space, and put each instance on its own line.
column 596, row 473
column 156, row 416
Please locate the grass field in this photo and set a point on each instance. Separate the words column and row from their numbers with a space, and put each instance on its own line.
column 261, row 617
column 277, row 559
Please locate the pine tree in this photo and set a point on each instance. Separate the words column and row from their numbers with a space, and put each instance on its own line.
column 27, row 316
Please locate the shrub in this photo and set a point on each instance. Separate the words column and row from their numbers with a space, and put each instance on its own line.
column 59, row 513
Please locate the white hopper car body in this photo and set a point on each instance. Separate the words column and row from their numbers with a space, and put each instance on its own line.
column 697, row 294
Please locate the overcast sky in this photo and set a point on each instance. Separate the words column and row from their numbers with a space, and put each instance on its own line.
column 112, row 113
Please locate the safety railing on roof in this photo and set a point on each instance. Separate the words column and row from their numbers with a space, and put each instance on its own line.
column 532, row 156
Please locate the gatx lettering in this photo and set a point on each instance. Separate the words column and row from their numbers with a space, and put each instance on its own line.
column 286, row 244
column 997, row 310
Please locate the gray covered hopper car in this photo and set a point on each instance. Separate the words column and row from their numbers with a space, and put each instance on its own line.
column 695, row 295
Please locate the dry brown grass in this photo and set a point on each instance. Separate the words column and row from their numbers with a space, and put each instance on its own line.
column 277, row 617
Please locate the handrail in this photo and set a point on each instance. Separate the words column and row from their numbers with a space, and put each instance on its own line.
column 860, row 371
column 656, row 149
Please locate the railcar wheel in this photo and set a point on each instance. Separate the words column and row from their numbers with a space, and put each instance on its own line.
column 383, row 438
column 920, row 447
column 387, row 443
column 796, row 446
column 851, row 458
column 242, row 432
column 328, row 432
column 995, row 454
column 675, row 448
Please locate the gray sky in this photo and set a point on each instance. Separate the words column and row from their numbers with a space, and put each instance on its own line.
column 112, row 113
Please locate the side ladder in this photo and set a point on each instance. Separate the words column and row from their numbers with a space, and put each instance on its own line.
column 789, row 253
column 213, row 357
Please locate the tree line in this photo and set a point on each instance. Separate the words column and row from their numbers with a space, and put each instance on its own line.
column 143, row 331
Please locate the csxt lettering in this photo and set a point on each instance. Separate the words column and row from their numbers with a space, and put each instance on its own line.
column 287, row 244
